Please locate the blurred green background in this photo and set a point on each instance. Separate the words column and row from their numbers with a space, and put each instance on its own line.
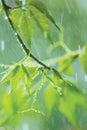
column 72, row 15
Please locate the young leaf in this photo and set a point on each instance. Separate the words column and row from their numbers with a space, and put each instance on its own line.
column 22, row 15
column 65, row 61
column 22, row 22
column 41, row 21
column 8, row 75
column 41, row 7
column 26, row 27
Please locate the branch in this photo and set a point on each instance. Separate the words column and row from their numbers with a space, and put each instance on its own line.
column 27, row 51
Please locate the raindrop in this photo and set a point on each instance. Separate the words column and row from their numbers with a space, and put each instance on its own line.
column 2, row 45
column 15, row 34
column 5, row 17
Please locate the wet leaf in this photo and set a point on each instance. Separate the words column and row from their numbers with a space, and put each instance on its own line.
column 41, row 7
column 71, row 98
column 65, row 62
column 51, row 98
column 23, row 15
column 23, row 25
column 41, row 21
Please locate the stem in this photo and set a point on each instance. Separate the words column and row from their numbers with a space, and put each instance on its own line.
column 27, row 51
column 65, row 47
column 41, row 63
column 61, row 38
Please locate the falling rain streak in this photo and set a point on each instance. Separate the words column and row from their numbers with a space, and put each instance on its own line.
column 68, row 6
column 62, row 16
column 2, row 45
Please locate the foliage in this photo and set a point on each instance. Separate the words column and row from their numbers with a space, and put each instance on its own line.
column 30, row 85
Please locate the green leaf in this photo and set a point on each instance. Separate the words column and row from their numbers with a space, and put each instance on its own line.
column 7, row 104
column 18, row 77
column 41, row 21
column 15, row 17
column 71, row 98
column 10, row 72
column 41, row 7
column 12, row 102
column 22, row 75
column 51, row 98
column 66, row 61
column 23, row 25
column 66, row 97
column 23, row 15
column 83, row 58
